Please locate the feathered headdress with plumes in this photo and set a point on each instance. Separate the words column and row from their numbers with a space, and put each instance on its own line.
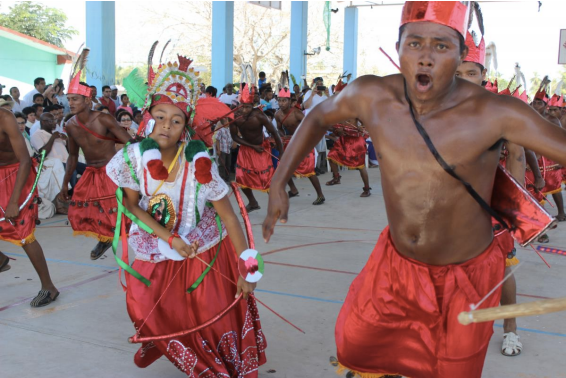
column 75, row 86
column 491, row 57
column 520, row 76
column 542, row 92
column 474, row 38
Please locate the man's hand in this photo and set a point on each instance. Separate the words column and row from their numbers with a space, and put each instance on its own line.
column 56, row 134
column 258, row 148
column 12, row 211
column 245, row 287
column 64, row 194
column 539, row 184
column 277, row 208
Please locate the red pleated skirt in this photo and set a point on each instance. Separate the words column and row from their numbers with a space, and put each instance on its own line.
column 349, row 151
column 400, row 315
column 96, row 218
column 552, row 177
column 254, row 170
column 306, row 168
column 22, row 232
column 233, row 346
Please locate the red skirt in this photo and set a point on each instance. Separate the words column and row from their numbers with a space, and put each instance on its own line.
column 96, row 218
column 306, row 168
column 552, row 177
column 349, row 151
column 234, row 346
column 530, row 185
column 254, row 170
column 400, row 315
column 18, row 234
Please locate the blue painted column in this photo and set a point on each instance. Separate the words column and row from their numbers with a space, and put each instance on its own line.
column 222, row 44
column 351, row 41
column 298, row 59
column 101, row 39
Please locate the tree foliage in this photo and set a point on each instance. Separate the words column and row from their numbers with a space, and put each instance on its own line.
column 38, row 21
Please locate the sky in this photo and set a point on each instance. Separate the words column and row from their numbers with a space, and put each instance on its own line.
column 520, row 31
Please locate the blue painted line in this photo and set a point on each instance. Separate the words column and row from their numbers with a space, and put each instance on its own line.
column 536, row 331
column 52, row 222
column 300, row 296
column 67, row 262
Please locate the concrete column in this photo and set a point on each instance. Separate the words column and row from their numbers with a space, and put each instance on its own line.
column 101, row 39
column 298, row 59
column 351, row 41
column 222, row 44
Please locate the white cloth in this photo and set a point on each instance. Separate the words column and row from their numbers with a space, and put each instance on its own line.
column 51, row 178
column 36, row 127
column 28, row 98
column 46, row 209
column 274, row 104
column 28, row 146
column 117, row 102
column 59, row 149
column 321, row 146
column 64, row 103
column 19, row 107
column 206, row 232
column 227, row 99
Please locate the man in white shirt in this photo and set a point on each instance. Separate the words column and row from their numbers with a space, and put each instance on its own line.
column 114, row 96
column 37, row 125
column 39, row 87
column 19, row 105
column 313, row 97
column 229, row 96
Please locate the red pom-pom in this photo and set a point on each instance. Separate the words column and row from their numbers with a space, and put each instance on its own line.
column 202, row 170
column 157, row 170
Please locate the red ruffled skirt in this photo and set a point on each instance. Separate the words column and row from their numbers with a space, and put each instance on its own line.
column 254, row 170
column 93, row 207
column 306, row 168
column 349, row 151
column 233, row 346
column 22, row 232
column 400, row 315
column 552, row 177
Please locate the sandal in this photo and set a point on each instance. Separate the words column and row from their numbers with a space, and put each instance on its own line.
column 99, row 250
column 543, row 239
column 251, row 208
column 335, row 180
column 366, row 192
column 319, row 201
column 43, row 298
column 4, row 264
column 374, row 165
column 511, row 345
column 291, row 194
column 561, row 217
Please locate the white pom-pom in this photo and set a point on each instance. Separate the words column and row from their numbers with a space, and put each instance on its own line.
column 200, row 155
column 150, row 155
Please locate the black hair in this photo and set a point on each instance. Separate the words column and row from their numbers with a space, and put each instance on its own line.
column 262, row 74
column 121, row 114
column 20, row 115
column 269, row 113
column 37, row 81
column 35, row 106
column 104, row 87
column 122, row 96
column 101, row 108
column 6, row 97
column 460, row 37
column 12, row 89
column 137, row 112
column 37, row 95
column 48, row 109
column 91, row 86
column 211, row 90
column 28, row 110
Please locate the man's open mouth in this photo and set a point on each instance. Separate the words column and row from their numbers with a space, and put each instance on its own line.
column 424, row 82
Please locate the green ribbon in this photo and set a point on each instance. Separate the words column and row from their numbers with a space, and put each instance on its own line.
column 129, row 162
column 201, row 277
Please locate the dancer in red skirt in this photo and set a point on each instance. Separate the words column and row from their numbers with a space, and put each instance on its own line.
column 17, row 177
column 288, row 119
column 193, row 226
column 254, row 167
column 93, row 207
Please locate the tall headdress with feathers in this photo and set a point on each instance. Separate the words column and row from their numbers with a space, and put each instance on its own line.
column 247, row 75
column 491, row 57
column 474, row 36
column 75, row 86
column 520, row 76
column 542, row 90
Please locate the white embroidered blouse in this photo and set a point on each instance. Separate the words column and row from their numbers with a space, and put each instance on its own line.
column 206, row 232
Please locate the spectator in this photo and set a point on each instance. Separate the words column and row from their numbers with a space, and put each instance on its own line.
column 114, row 96
column 262, row 79
column 138, row 117
column 125, row 120
column 211, row 91
column 57, row 111
column 297, row 89
column 38, row 99
column 19, row 105
column 313, row 97
column 39, row 87
column 125, row 105
column 49, row 97
column 223, row 146
column 229, row 96
column 202, row 93
column 102, row 108
column 21, row 121
column 29, row 113
column 266, row 97
column 39, row 110
column 62, row 97
column 93, row 94
column 6, row 102
column 107, row 101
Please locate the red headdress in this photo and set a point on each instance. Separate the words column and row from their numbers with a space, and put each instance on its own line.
column 284, row 93
column 75, row 87
column 341, row 85
column 247, row 95
column 541, row 93
column 453, row 14
column 474, row 40
column 492, row 87
column 524, row 97
column 557, row 101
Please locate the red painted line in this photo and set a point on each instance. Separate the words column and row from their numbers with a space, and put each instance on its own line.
column 310, row 267
column 533, row 296
column 64, row 288
column 311, row 244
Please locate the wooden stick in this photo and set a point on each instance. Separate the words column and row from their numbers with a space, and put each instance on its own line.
column 545, row 306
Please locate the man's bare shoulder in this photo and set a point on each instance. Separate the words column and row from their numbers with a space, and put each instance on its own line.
column 377, row 86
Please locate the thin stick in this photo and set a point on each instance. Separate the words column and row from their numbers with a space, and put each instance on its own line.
column 474, row 306
column 391, row 60
column 539, row 255
column 513, row 311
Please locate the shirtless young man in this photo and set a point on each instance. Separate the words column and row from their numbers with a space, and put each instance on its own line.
column 288, row 119
column 254, row 167
column 93, row 207
column 438, row 254
column 17, row 177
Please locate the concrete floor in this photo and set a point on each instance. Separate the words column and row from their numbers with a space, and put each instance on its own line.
column 311, row 262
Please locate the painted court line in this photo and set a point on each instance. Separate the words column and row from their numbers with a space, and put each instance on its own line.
column 67, row 262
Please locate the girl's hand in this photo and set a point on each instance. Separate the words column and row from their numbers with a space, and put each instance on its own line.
column 184, row 249
column 246, row 287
